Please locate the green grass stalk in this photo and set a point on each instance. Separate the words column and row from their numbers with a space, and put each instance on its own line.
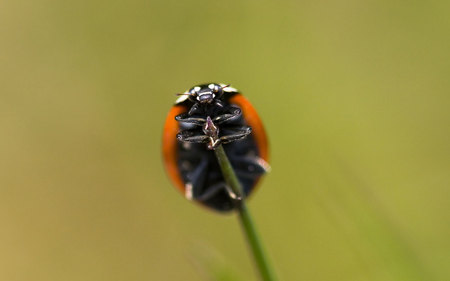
column 245, row 218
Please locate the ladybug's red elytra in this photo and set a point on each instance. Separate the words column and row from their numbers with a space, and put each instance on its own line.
column 188, row 148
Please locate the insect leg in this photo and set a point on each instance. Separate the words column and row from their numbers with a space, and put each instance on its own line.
column 234, row 112
column 185, row 118
column 236, row 134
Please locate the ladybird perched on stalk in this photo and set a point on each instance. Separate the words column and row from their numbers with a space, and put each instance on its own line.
column 201, row 119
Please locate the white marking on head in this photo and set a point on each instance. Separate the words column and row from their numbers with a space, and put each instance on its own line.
column 206, row 93
column 182, row 97
column 228, row 89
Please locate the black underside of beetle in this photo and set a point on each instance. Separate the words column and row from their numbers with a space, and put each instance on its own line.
column 199, row 167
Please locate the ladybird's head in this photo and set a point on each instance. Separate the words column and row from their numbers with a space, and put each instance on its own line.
column 206, row 93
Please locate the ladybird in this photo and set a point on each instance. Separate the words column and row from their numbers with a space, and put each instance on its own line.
column 188, row 148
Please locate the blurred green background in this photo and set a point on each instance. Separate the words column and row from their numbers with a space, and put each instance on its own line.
column 355, row 99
